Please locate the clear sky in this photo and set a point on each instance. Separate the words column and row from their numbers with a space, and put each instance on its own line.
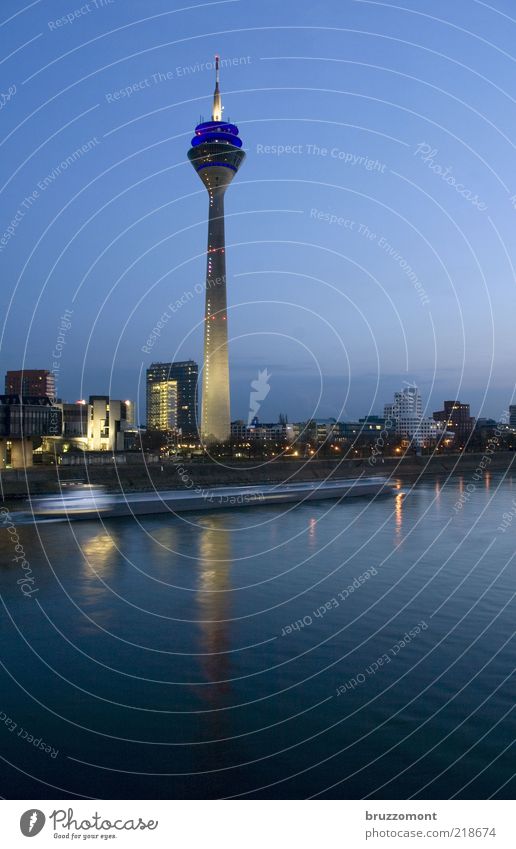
column 378, row 248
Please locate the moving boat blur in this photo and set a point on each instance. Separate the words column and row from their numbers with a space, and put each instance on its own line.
column 91, row 502
column 73, row 501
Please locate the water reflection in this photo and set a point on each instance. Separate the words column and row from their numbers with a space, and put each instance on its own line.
column 98, row 551
column 398, row 518
column 312, row 532
column 98, row 562
column 196, row 608
column 214, row 606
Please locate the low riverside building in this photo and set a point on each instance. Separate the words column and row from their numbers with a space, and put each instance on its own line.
column 103, row 424
column 266, row 432
column 107, row 421
column 75, row 420
column 316, row 431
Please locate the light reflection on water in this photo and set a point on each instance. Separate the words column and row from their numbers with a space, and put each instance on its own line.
column 398, row 517
column 98, row 551
column 214, row 605
column 186, row 616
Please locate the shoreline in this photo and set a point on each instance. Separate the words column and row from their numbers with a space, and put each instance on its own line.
column 139, row 476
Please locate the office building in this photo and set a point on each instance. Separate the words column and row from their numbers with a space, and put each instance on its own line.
column 108, row 419
column 161, row 391
column 186, row 375
column 75, row 420
column 23, row 418
column 172, row 397
column 456, row 418
column 316, row 431
column 279, row 432
column 33, row 383
column 407, row 404
column 404, row 417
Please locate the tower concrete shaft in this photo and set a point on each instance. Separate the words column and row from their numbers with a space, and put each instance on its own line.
column 215, row 417
column 216, row 156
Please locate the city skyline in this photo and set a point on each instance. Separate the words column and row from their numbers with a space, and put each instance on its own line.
column 172, row 400
column 368, row 242
column 56, row 431
column 270, row 412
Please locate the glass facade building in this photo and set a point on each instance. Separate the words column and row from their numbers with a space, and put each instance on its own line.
column 172, row 396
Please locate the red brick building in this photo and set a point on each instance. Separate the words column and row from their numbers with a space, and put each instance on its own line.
column 36, row 383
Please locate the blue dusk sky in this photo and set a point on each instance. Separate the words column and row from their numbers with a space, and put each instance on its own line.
column 370, row 231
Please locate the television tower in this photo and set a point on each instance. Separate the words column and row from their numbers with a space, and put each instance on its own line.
column 216, row 155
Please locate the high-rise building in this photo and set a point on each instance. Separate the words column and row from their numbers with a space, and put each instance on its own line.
column 216, row 155
column 36, row 383
column 172, row 396
column 161, row 398
column 405, row 418
column 186, row 375
column 512, row 415
column 407, row 404
column 456, row 417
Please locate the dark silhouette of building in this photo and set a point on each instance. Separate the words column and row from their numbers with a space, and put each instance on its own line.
column 457, row 418
column 22, row 419
column 34, row 383
column 75, row 419
column 29, row 416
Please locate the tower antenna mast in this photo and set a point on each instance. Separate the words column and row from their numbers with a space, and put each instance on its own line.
column 216, row 114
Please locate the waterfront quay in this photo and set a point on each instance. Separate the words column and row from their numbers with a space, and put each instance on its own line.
column 140, row 476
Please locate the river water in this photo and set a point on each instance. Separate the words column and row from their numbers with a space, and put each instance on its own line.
column 360, row 649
